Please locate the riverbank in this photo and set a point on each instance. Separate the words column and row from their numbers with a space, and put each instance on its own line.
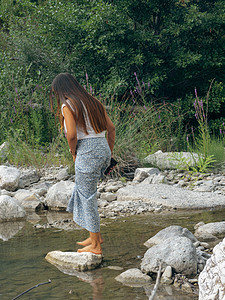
column 150, row 190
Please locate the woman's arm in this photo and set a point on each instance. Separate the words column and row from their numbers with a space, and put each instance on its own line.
column 71, row 130
column 111, row 133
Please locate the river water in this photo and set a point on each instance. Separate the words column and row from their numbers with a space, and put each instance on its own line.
column 23, row 249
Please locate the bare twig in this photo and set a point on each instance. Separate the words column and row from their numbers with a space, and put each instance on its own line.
column 156, row 283
column 33, row 287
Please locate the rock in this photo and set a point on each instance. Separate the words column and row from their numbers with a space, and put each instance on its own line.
column 28, row 200
column 63, row 174
column 108, row 196
column 102, row 203
column 142, row 173
column 196, row 244
column 186, row 287
column 159, row 179
column 207, row 186
column 58, row 195
column 178, row 252
column 212, row 279
column 169, row 233
column 7, row 193
column 210, row 231
column 10, row 209
column 9, row 229
column 205, row 245
column 41, row 189
column 28, row 177
column 193, row 280
column 172, row 160
column 198, row 225
column 167, row 276
column 170, row 196
column 116, row 268
column 4, row 148
column 168, row 272
column 73, row 260
column 133, row 277
column 9, row 178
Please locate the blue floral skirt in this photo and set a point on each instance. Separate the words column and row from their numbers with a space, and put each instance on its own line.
column 93, row 157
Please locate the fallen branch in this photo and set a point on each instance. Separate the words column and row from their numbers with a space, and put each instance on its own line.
column 33, row 287
column 156, row 283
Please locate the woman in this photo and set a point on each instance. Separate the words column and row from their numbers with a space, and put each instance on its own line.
column 86, row 123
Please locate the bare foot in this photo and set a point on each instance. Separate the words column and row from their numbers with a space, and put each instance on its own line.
column 96, row 250
column 87, row 242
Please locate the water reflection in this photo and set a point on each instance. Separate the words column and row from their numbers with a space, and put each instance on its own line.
column 95, row 279
column 9, row 229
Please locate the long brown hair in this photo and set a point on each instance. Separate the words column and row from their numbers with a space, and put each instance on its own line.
column 65, row 87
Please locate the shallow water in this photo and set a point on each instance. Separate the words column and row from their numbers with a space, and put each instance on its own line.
column 23, row 264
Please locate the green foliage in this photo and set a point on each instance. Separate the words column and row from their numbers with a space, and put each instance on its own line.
column 21, row 153
column 172, row 46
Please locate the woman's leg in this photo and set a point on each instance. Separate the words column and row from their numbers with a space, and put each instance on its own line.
column 88, row 241
column 95, row 246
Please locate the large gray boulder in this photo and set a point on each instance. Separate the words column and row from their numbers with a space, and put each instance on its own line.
column 179, row 253
column 211, row 280
column 58, row 195
column 172, row 160
column 210, row 231
column 28, row 200
column 66, row 261
column 9, row 178
column 28, row 177
column 133, row 277
column 169, row 233
column 10, row 209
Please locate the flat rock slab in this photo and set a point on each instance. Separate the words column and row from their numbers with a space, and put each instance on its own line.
column 69, row 261
column 133, row 277
column 170, row 196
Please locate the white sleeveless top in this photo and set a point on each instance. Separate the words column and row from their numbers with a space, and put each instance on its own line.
column 80, row 133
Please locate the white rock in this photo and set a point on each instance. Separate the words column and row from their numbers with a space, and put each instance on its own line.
column 178, row 252
column 142, row 173
column 113, row 188
column 8, row 193
column 66, row 261
column 4, row 148
column 170, row 233
column 133, row 276
column 63, row 174
column 168, row 272
column 58, row 195
column 28, row 177
column 102, row 203
column 41, row 189
column 28, row 200
column 212, row 279
column 10, row 209
column 207, row 186
column 9, row 178
column 159, row 179
column 172, row 160
column 210, row 231
column 198, row 225
column 108, row 196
